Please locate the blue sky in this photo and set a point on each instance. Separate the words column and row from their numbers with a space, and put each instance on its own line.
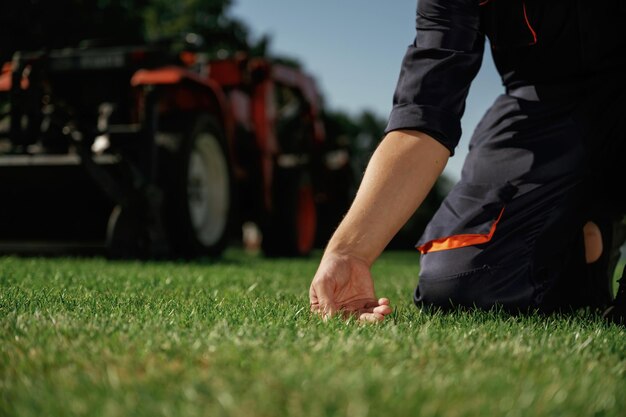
column 354, row 49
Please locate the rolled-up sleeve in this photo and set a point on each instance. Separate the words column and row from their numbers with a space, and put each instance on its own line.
column 438, row 69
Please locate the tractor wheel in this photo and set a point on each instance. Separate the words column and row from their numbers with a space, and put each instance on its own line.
column 125, row 238
column 290, row 226
column 198, row 186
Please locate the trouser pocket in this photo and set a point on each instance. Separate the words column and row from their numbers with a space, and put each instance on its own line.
column 468, row 216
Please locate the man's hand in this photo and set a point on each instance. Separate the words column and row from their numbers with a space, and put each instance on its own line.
column 344, row 284
column 399, row 175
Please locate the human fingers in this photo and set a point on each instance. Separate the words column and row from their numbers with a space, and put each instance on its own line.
column 326, row 310
column 322, row 299
column 313, row 301
column 377, row 313
column 371, row 317
column 382, row 309
column 380, row 306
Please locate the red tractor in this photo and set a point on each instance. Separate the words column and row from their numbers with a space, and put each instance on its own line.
column 148, row 152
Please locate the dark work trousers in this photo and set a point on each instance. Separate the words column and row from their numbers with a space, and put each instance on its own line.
column 543, row 161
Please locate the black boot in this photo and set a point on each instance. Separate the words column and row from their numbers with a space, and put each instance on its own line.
column 601, row 272
column 616, row 313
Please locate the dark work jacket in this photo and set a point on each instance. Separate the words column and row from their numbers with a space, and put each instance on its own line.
column 555, row 44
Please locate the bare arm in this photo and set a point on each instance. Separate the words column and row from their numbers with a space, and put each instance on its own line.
column 399, row 176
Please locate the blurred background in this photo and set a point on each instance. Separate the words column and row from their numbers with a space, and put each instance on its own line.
column 352, row 50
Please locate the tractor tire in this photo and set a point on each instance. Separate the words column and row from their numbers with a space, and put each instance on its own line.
column 125, row 237
column 290, row 225
column 196, row 172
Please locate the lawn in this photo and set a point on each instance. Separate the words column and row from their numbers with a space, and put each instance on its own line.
column 87, row 337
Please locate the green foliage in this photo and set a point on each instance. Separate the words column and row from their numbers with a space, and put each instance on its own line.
column 234, row 338
column 208, row 18
column 30, row 24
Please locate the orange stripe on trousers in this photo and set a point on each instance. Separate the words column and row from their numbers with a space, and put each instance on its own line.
column 460, row 241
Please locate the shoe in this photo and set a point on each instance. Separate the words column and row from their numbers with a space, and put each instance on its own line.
column 616, row 313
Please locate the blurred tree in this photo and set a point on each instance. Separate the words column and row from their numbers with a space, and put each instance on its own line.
column 41, row 24
column 208, row 18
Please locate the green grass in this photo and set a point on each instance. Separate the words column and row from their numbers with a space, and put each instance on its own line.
column 87, row 337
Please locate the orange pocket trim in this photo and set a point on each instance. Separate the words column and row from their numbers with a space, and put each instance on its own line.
column 460, row 241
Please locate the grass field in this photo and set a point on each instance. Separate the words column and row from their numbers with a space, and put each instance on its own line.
column 87, row 337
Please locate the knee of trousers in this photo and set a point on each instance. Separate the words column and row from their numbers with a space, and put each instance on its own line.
column 457, row 278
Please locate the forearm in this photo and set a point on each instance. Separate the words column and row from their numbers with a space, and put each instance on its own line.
column 400, row 174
